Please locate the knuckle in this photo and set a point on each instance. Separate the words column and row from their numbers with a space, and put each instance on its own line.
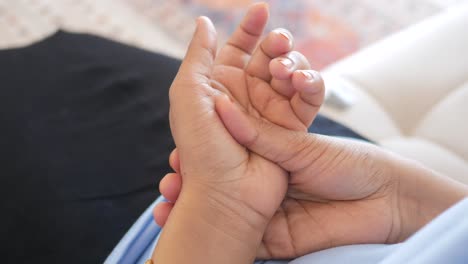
column 302, row 148
column 253, row 141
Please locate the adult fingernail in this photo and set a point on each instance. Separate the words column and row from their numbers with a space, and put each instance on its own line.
column 288, row 63
column 226, row 97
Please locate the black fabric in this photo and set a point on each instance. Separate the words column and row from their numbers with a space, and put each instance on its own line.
column 325, row 126
column 84, row 142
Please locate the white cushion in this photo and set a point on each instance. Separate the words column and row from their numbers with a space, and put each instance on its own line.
column 411, row 92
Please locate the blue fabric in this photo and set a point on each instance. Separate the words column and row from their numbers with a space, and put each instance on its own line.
column 444, row 240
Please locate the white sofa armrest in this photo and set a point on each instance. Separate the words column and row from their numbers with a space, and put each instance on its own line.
column 411, row 92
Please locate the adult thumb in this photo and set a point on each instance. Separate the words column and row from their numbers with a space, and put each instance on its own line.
column 200, row 56
column 192, row 82
column 194, row 123
column 292, row 150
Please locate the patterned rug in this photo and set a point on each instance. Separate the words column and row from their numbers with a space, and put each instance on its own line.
column 325, row 30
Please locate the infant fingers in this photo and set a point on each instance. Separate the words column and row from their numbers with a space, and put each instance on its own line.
column 170, row 186
column 174, row 160
column 310, row 94
column 161, row 212
column 282, row 69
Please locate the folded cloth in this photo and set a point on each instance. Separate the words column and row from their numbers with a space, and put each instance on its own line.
column 444, row 240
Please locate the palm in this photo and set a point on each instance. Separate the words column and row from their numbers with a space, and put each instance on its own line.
column 337, row 213
column 256, row 96
column 264, row 184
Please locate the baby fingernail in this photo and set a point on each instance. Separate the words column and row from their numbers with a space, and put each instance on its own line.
column 286, row 35
column 286, row 62
column 308, row 75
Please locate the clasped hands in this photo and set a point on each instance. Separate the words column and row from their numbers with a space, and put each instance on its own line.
column 245, row 166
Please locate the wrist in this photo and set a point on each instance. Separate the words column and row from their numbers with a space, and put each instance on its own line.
column 207, row 226
column 224, row 212
column 423, row 194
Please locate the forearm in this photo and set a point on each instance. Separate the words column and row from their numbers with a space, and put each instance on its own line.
column 423, row 195
column 200, row 230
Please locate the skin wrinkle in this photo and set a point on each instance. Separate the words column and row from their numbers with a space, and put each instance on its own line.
column 192, row 62
column 326, row 166
column 220, row 87
column 370, row 183
column 245, row 56
column 325, row 149
column 243, row 35
column 313, row 160
column 251, row 108
column 261, row 108
column 274, row 98
column 200, row 126
column 241, row 163
column 330, row 237
column 311, row 104
column 396, row 223
column 251, row 142
column 222, row 204
column 249, row 34
column 314, row 219
column 237, row 47
column 244, row 29
column 218, row 79
column 284, row 222
column 201, row 88
column 289, row 231
column 268, row 246
column 262, row 49
column 391, row 225
column 305, row 143
column 400, row 220
column 377, row 173
column 254, row 82
column 303, row 120
column 262, row 125
column 389, row 239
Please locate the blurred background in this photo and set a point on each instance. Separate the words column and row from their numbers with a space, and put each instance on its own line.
column 325, row 30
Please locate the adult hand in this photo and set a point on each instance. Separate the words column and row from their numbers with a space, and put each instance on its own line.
column 340, row 192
